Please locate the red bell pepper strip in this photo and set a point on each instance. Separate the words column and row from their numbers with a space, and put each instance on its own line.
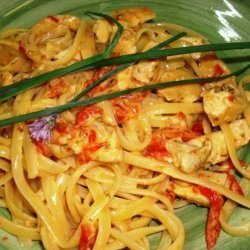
column 88, row 237
column 213, row 224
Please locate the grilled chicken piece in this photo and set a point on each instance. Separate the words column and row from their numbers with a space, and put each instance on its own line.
column 183, row 93
column 102, row 30
column 211, row 66
column 241, row 134
column 133, row 16
column 127, row 43
column 223, row 105
column 144, row 71
column 112, row 152
column 188, row 158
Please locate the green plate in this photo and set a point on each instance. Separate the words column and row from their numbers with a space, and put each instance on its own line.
column 218, row 20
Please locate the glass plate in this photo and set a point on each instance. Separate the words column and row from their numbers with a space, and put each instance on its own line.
column 224, row 20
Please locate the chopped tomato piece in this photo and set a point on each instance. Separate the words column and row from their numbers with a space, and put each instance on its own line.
column 157, row 148
column 56, row 88
column 182, row 116
column 231, row 98
column 127, row 107
column 83, row 157
column 43, row 148
column 158, row 153
column 120, row 113
column 22, row 48
column 92, row 136
column 90, row 148
column 104, row 85
column 226, row 166
column 165, row 134
column 213, row 224
column 88, row 237
column 198, row 127
column 62, row 127
column 86, row 113
column 170, row 195
column 218, row 70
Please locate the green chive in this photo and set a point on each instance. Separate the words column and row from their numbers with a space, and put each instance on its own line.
column 118, row 34
column 83, row 65
column 85, row 102
column 124, row 66
column 168, row 52
column 98, row 61
column 19, row 87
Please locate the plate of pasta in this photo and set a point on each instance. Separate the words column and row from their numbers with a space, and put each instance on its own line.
column 124, row 125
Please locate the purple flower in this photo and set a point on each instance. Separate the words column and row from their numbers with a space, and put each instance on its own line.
column 41, row 128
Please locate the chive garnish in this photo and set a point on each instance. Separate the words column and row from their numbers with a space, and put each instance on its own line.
column 102, row 60
column 19, row 87
column 89, row 101
column 169, row 52
column 124, row 66
column 118, row 34
column 89, row 64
